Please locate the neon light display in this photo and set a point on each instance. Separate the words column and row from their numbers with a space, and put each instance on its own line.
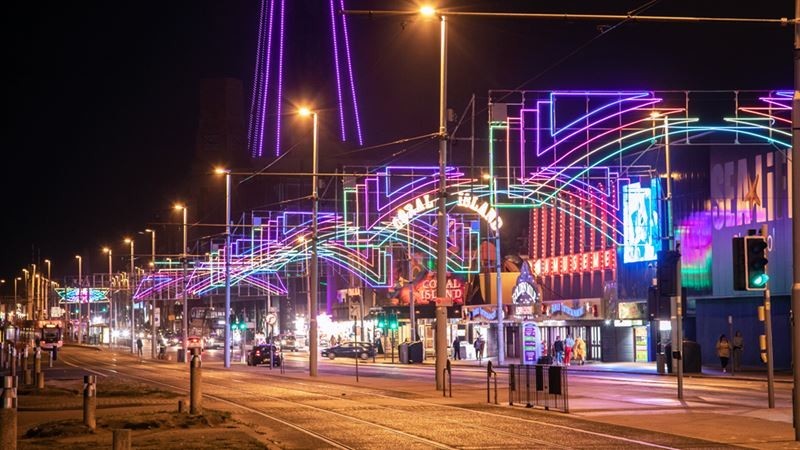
column 642, row 233
column 524, row 292
column 82, row 295
column 576, row 263
column 267, row 101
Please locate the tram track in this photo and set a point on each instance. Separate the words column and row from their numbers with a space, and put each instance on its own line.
column 441, row 411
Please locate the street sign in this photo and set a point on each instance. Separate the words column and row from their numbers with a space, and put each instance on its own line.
column 443, row 301
column 271, row 319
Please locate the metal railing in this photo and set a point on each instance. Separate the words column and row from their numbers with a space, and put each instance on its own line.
column 550, row 388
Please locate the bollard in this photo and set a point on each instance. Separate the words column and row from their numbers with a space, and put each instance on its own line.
column 40, row 380
column 27, row 377
column 8, row 414
column 195, row 382
column 3, row 355
column 89, row 400
column 121, row 439
column 37, row 360
column 12, row 361
column 181, row 406
column 52, row 352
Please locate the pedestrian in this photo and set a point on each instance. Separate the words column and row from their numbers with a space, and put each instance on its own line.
column 478, row 348
column 378, row 346
column 139, row 345
column 333, row 340
column 558, row 350
column 457, row 348
column 738, row 346
column 579, row 350
column 723, row 351
column 569, row 343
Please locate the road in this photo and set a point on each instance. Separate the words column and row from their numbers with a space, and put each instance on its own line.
column 393, row 406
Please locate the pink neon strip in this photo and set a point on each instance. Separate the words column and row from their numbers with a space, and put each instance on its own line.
column 336, row 67
column 757, row 113
column 280, row 80
column 260, row 148
column 256, row 80
column 350, row 72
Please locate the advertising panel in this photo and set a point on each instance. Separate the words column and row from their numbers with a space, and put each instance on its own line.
column 641, row 229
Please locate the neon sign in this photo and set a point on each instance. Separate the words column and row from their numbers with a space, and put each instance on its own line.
column 524, row 292
column 411, row 209
column 577, row 263
column 483, row 209
column 566, row 310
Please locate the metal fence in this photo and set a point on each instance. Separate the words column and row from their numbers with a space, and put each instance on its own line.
column 538, row 385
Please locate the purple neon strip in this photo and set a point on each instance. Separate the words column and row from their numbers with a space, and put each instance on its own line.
column 336, row 67
column 280, row 79
column 350, row 72
column 260, row 148
column 256, row 80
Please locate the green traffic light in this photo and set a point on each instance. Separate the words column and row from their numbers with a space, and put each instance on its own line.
column 760, row 280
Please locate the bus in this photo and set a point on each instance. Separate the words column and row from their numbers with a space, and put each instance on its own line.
column 49, row 333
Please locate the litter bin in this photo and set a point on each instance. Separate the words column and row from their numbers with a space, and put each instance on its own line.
column 415, row 352
column 181, row 355
column 403, row 353
column 661, row 363
column 691, row 358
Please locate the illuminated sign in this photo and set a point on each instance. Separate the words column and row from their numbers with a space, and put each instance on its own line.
column 483, row 209
column 411, row 209
column 641, row 233
column 577, row 263
column 524, row 292
column 84, row 295
column 561, row 308
column 425, row 290
column 531, row 343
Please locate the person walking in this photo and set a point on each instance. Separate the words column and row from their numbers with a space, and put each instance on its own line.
column 478, row 349
column 579, row 350
column 558, row 350
column 569, row 343
column 738, row 346
column 723, row 351
column 139, row 345
column 456, row 348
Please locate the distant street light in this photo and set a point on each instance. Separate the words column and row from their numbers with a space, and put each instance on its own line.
column 314, row 275
column 80, row 293
column 47, row 291
column 227, row 174
column 179, row 207
column 130, row 291
column 152, row 293
column 111, row 318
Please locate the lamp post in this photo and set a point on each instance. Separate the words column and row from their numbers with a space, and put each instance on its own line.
column 1, row 283
column 185, row 285
column 47, row 290
column 15, row 292
column 80, row 293
column 227, row 264
column 153, row 337
column 130, row 292
column 440, row 338
column 111, row 319
column 313, row 272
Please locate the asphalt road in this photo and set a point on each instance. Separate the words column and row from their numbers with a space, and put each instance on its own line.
column 390, row 406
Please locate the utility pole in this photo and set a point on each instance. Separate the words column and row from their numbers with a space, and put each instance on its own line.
column 440, row 337
column 795, row 208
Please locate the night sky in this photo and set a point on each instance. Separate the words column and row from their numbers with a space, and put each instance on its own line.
column 103, row 95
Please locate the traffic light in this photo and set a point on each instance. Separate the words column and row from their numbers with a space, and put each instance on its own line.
column 381, row 321
column 749, row 263
column 756, row 247
column 393, row 321
column 667, row 273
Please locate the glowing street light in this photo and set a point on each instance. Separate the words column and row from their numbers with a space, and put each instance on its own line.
column 313, row 270
column 227, row 173
column 181, row 207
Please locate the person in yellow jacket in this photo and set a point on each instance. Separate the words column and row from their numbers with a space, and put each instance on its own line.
column 723, row 351
column 579, row 351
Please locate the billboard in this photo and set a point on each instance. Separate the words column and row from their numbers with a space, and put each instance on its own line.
column 641, row 231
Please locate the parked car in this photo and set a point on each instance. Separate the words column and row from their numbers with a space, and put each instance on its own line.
column 288, row 343
column 259, row 354
column 361, row 350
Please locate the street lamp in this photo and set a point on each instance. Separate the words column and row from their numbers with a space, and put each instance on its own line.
column 314, row 275
column 15, row 291
column 111, row 318
column 47, row 291
column 130, row 291
column 227, row 174
column 185, row 285
column 152, row 293
column 80, row 306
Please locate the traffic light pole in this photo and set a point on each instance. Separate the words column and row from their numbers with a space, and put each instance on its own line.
column 768, row 329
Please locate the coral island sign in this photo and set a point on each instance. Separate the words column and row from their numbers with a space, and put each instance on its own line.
column 406, row 213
